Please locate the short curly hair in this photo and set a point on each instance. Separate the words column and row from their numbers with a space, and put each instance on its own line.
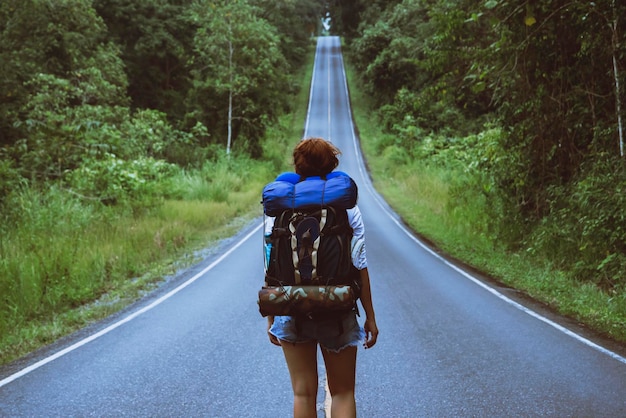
column 315, row 157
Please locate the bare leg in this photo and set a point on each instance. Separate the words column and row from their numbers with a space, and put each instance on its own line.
column 340, row 372
column 302, row 363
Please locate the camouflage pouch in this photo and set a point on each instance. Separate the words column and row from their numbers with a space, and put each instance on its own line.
column 305, row 300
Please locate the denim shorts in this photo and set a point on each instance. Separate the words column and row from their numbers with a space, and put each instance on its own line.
column 331, row 334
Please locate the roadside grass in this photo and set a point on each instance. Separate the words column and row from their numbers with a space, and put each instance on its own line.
column 422, row 194
column 66, row 263
column 71, row 273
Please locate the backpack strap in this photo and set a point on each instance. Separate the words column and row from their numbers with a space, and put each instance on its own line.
column 306, row 234
column 275, row 237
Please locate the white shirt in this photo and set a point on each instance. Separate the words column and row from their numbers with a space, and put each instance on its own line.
column 358, row 238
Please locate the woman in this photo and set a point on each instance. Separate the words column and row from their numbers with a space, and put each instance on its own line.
column 317, row 157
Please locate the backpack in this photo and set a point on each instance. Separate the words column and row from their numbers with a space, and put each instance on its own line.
column 310, row 240
column 310, row 246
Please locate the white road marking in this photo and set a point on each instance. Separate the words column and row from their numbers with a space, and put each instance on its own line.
column 328, row 94
column 128, row 318
column 322, row 370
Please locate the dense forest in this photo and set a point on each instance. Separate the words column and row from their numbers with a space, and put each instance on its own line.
column 112, row 108
column 87, row 81
column 529, row 96
column 126, row 127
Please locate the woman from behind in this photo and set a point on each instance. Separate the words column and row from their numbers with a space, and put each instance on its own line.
column 299, row 339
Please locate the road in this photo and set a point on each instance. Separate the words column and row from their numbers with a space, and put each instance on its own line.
column 451, row 344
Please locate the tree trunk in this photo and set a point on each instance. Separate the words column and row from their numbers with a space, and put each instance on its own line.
column 230, row 93
column 616, row 74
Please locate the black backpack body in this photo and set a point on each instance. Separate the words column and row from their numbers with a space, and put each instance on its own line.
column 310, row 246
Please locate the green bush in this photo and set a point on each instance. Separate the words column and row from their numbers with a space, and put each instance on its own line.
column 116, row 181
column 148, row 133
column 585, row 231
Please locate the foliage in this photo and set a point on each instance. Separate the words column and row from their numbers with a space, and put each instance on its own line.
column 100, row 86
column 556, row 96
column 586, row 224
column 115, row 181
column 388, row 53
column 136, row 79
column 238, row 71
column 156, row 42
column 418, row 62
column 149, row 133
column 58, row 136
column 444, row 189
column 524, row 97
column 10, row 180
column 296, row 22
column 49, row 49
column 347, row 16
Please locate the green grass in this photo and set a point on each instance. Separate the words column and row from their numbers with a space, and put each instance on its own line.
column 422, row 194
column 55, row 263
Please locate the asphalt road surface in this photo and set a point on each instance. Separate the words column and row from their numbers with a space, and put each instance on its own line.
column 451, row 345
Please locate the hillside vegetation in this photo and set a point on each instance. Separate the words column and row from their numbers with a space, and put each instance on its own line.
column 500, row 126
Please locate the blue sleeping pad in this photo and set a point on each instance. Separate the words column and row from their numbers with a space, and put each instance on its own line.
column 288, row 192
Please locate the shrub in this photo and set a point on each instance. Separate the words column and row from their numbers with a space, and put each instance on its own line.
column 585, row 231
column 116, row 181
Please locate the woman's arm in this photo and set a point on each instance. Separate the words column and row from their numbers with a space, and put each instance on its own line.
column 359, row 260
column 270, row 322
column 371, row 329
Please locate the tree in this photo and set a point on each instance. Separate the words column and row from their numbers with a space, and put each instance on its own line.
column 554, row 83
column 238, row 66
column 58, row 72
column 550, row 72
column 63, row 39
column 156, row 41
column 296, row 21
column 418, row 62
column 615, row 43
